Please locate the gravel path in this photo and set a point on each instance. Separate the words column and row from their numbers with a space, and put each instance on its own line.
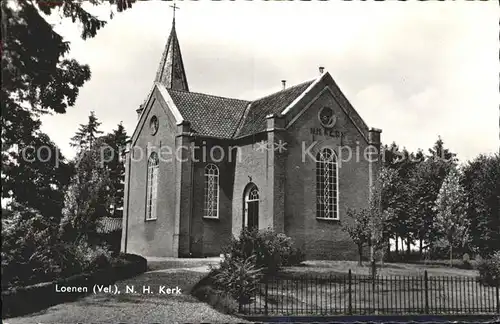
column 153, row 306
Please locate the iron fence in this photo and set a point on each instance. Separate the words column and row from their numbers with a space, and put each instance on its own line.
column 360, row 295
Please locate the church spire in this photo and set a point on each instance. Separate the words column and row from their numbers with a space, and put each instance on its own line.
column 171, row 71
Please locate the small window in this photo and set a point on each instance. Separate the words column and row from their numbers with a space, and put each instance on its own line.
column 152, row 186
column 211, row 205
column 326, row 185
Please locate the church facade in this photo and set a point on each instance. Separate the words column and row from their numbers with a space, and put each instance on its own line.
column 201, row 167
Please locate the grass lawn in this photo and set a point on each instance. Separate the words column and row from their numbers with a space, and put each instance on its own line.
column 176, row 263
column 388, row 269
column 400, row 289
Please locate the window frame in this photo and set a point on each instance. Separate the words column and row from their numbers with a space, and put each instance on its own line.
column 152, row 175
column 216, row 184
column 323, row 163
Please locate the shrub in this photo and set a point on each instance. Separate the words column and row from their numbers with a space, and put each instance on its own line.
column 489, row 270
column 272, row 250
column 29, row 242
column 239, row 277
column 218, row 299
column 33, row 251
column 295, row 257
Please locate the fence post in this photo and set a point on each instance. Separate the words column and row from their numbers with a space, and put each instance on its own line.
column 265, row 300
column 498, row 297
column 426, row 285
column 349, row 278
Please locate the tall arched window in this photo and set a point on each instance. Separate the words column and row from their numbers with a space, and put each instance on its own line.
column 211, row 205
column 152, row 186
column 326, row 185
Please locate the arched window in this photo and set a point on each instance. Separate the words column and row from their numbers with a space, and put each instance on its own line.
column 211, row 205
column 326, row 185
column 152, row 186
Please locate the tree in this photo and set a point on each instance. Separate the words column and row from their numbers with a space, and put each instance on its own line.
column 116, row 142
column 37, row 76
column 87, row 134
column 37, row 175
column 87, row 197
column 398, row 193
column 481, row 180
column 426, row 180
column 391, row 201
column 358, row 229
column 451, row 221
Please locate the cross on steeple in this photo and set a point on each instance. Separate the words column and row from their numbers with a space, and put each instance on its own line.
column 174, row 7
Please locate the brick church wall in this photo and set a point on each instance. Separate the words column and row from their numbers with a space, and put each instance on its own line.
column 250, row 167
column 208, row 236
column 322, row 239
column 152, row 238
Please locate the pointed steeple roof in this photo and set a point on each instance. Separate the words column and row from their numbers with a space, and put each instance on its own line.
column 171, row 71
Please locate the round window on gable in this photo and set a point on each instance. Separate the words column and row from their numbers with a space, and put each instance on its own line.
column 153, row 125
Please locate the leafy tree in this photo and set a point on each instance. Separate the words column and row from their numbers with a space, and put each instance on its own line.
column 398, row 192
column 451, row 221
column 88, row 197
column 481, row 181
column 37, row 76
column 391, row 200
column 37, row 175
column 358, row 230
column 113, row 157
column 381, row 216
column 426, row 180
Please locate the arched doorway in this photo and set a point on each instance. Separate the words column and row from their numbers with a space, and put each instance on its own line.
column 251, row 207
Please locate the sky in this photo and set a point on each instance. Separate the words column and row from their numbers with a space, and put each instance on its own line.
column 417, row 70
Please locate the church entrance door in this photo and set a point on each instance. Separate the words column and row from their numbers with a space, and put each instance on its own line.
column 251, row 213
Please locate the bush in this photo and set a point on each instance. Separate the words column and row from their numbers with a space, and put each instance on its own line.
column 33, row 251
column 295, row 257
column 272, row 250
column 28, row 248
column 489, row 270
column 238, row 277
column 218, row 299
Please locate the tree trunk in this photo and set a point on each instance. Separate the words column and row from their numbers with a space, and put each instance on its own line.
column 397, row 245
column 421, row 248
column 388, row 250
column 372, row 261
column 408, row 247
column 360, row 255
column 451, row 255
column 372, row 252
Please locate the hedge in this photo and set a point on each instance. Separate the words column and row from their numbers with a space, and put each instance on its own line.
column 24, row 300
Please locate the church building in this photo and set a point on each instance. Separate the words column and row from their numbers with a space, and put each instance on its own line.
column 201, row 167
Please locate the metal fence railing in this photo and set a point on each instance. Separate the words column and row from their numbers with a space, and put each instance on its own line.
column 360, row 294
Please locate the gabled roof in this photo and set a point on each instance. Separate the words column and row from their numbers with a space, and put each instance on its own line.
column 255, row 118
column 231, row 118
column 209, row 115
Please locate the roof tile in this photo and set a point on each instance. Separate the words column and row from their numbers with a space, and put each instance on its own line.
column 275, row 103
column 209, row 115
column 226, row 117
